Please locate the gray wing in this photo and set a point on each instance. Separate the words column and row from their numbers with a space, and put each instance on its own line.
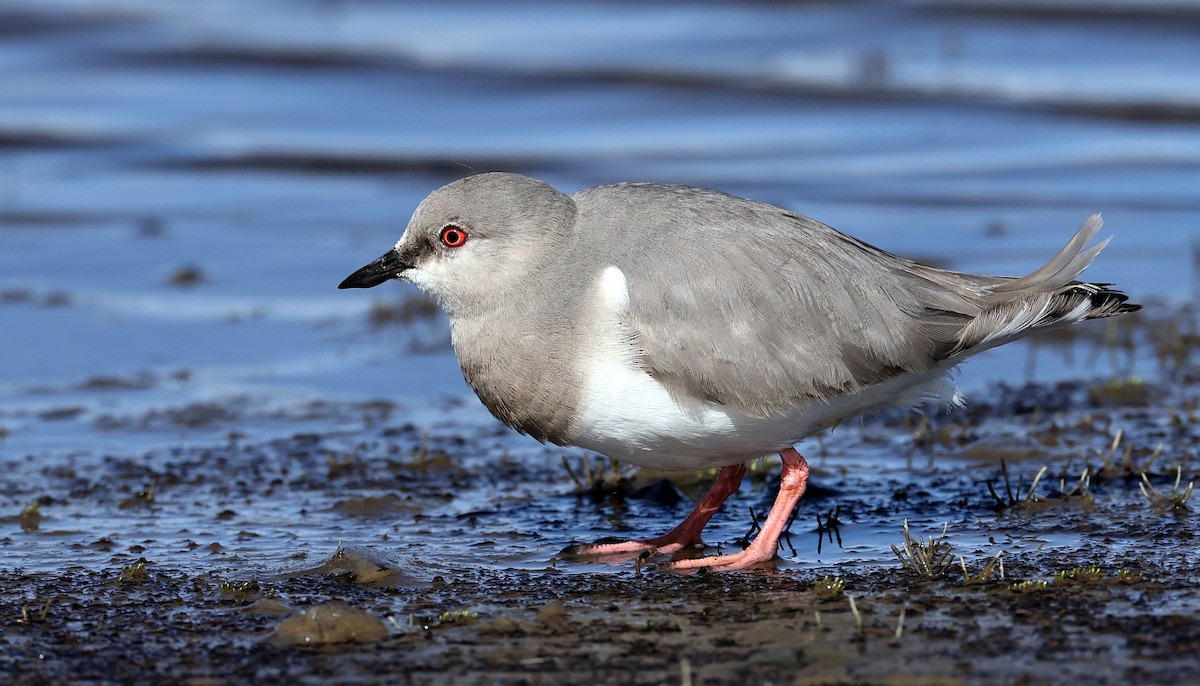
column 751, row 306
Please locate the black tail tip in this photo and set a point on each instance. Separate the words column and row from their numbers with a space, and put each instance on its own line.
column 1106, row 303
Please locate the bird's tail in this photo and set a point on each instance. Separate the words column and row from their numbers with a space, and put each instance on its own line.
column 1047, row 298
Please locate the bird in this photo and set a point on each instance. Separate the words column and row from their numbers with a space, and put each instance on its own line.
column 682, row 328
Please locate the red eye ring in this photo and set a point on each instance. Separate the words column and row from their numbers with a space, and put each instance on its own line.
column 452, row 236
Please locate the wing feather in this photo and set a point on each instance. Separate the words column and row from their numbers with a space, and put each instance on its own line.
column 748, row 305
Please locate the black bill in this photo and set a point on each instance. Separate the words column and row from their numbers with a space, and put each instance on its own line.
column 389, row 266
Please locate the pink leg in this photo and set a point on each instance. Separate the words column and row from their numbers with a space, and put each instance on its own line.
column 688, row 532
column 792, row 483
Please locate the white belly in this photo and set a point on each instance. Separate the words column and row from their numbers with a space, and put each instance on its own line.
column 630, row 417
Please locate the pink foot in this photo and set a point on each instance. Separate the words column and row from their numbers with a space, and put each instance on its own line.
column 687, row 534
column 792, row 483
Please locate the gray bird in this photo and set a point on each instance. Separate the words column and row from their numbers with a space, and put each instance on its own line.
column 682, row 328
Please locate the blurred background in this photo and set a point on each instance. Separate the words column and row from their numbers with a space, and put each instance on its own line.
column 183, row 184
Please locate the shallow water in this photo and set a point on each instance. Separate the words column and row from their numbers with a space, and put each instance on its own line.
column 183, row 185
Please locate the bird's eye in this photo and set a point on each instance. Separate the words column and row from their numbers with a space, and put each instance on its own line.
column 452, row 236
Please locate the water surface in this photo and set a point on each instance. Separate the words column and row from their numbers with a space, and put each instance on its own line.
column 182, row 186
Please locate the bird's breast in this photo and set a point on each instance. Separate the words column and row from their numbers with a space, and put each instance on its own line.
column 520, row 373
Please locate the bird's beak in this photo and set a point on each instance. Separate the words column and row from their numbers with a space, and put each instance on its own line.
column 388, row 266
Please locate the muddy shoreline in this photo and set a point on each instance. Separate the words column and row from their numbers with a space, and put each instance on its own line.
column 197, row 565
column 547, row 628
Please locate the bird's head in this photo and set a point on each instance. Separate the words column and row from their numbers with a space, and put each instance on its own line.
column 472, row 240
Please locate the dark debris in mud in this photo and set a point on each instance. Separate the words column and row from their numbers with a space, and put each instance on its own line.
column 1069, row 551
column 548, row 627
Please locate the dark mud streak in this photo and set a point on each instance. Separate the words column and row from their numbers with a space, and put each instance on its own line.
column 16, row 23
column 49, row 219
column 348, row 163
column 1144, row 15
column 1002, row 201
column 253, row 57
column 866, row 92
column 35, row 139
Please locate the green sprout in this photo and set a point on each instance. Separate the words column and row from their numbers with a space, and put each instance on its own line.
column 1079, row 575
column 134, row 573
column 241, row 591
column 830, row 587
column 460, row 617
column 1128, row 576
column 1030, row 586
column 30, row 517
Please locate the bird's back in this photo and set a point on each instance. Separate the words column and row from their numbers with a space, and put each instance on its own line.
column 757, row 308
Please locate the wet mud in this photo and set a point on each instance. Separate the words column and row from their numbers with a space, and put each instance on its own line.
column 1050, row 536
column 545, row 627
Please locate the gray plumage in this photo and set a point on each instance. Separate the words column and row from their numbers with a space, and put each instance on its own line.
column 741, row 304
column 775, row 307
